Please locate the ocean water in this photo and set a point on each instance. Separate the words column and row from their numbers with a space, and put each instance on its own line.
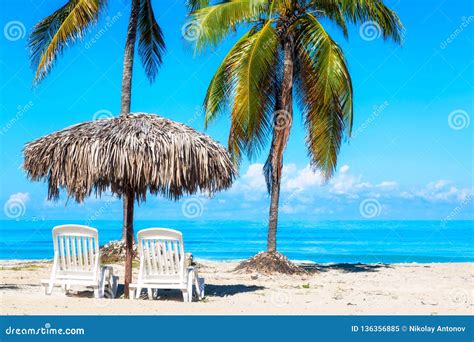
column 321, row 242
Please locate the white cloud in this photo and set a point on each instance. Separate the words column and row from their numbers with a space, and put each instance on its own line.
column 344, row 183
column 302, row 179
column 344, row 169
column 293, row 209
column 440, row 190
column 302, row 188
column 251, row 184
column 350, row 185
column 254, row 178
column 387, row 185
column 22, row 197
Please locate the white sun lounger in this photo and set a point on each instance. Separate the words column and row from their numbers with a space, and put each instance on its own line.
column 162, row 265
column 77, row 262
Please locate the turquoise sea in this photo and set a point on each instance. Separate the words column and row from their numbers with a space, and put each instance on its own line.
column 321, row 242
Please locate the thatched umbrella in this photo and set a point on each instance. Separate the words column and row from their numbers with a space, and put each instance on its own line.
column 129, row 155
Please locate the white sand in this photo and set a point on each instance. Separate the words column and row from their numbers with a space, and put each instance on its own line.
column 400, row 289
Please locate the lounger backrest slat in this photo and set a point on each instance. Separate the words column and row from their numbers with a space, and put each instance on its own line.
column 153, row 256
column 161, row 252
column 176, row 254
column 77, row 248
column 85, row 253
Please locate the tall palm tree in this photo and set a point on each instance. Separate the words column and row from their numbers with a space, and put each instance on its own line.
column 70, row 23
column 285, row 52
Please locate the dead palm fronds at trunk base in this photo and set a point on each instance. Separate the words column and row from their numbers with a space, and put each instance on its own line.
column 269, row 262
column 114, row 252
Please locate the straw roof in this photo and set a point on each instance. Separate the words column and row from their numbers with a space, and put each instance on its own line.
column 141, row 152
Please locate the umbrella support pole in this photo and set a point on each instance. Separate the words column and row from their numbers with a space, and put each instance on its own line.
column 128, row 204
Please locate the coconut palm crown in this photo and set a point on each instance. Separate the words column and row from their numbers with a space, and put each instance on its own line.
column 50, row 36
column 286, row 51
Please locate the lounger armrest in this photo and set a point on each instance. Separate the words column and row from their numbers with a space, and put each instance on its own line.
column 107, row 268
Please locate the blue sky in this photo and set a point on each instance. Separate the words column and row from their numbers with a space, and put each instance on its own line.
column 410, row 156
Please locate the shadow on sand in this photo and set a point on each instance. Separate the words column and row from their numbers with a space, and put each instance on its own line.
column 211, row 291
column 230, row 290
column 346, row 268
column 9, row 287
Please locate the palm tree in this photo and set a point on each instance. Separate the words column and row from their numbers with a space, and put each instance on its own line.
column 285, row 47
column 70, row 23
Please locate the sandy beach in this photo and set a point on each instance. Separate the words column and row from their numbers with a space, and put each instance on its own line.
column 400, row 289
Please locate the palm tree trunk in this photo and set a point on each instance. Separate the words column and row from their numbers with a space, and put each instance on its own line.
column 127, row 74
column 128, row 58
column 281, row 132
column 128, row 204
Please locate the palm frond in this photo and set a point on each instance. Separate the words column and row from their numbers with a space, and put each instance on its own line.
column 151, row 44
column 332, row 10
column 254, row 99
column 52, row 34
column 215, row 22
column 194, row 5
column 222, row 83
column 324, row 88
column 361, row 11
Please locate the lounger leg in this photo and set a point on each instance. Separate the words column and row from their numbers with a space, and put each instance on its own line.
column 114, row 286
column 150, row 293
column 96, row 293
column 104, row 278
column 185, row 296
column 190, row 285
column 131, row 293
column 139, row 291
column 200, row 286
column 49, row 289
column 52, row 279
